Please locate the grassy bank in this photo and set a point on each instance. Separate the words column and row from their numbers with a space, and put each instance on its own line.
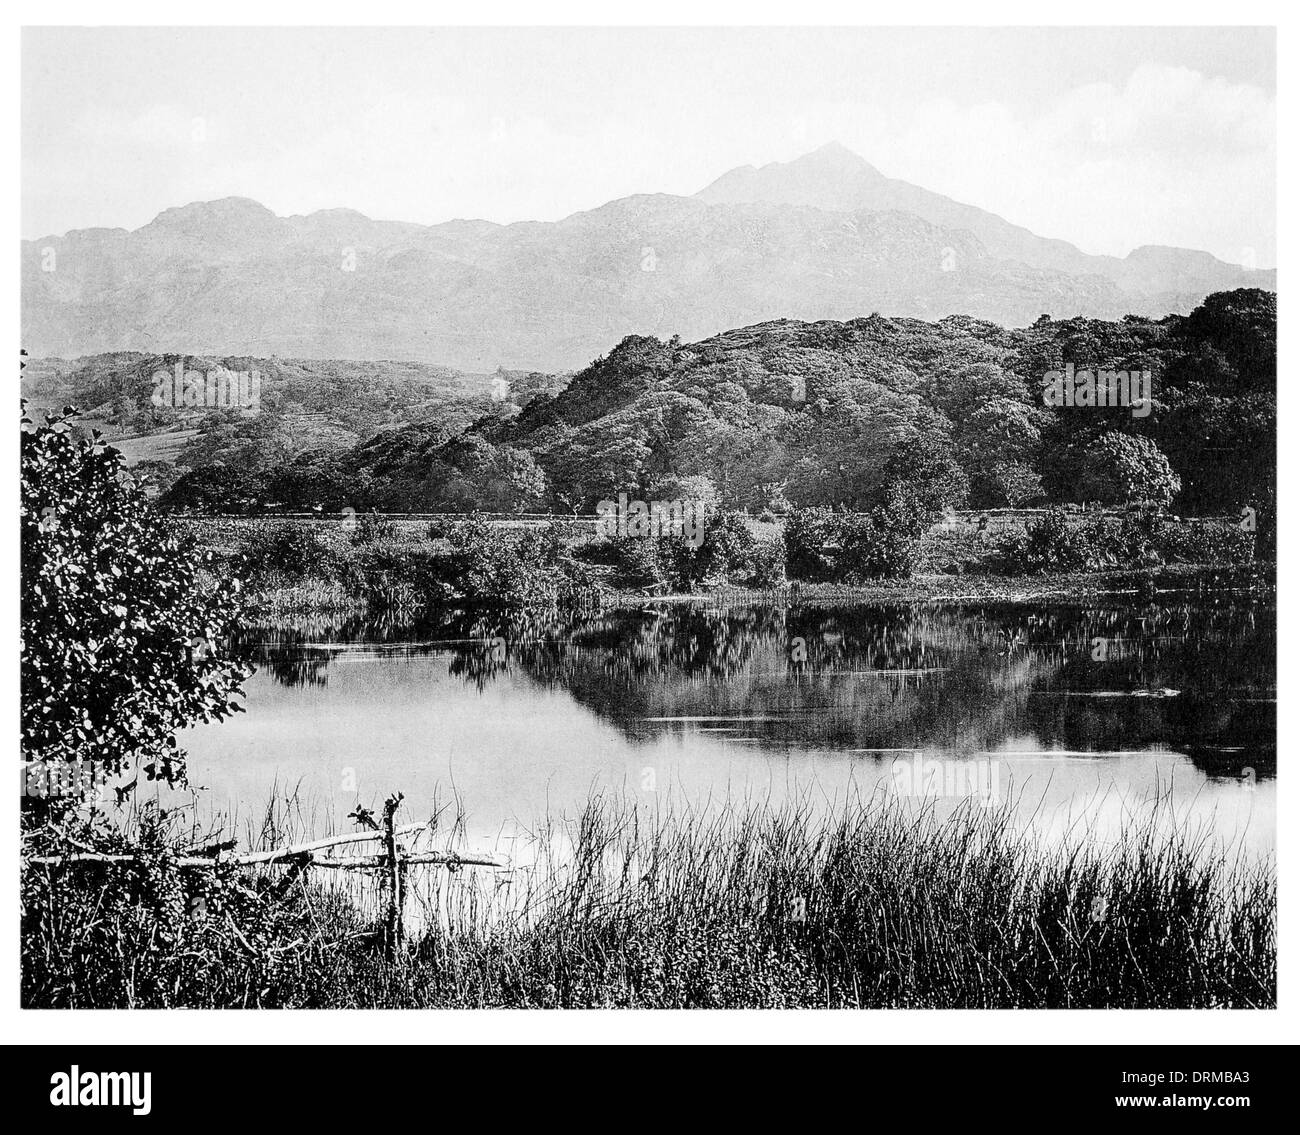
column 1257, row 579
column 876, row 906
column 296, row 566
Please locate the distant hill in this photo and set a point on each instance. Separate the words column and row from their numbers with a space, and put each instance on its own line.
column 823, row 237
column 825, row 413
column 304, row 404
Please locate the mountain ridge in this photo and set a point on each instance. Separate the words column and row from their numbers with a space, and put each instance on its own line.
column 821, row 237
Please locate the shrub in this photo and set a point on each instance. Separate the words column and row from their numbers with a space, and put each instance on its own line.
column 124, row 632
column 493, row 564
column 1206, row 542
column 390, row 579
column 825, row 545
column 1050, row 543
column 372, row 528
column 1059, row 541
column 1062, row 541
column 288, row 548
column 768, row 566
column 727, row 550
column 637, row 563
column 811, row 536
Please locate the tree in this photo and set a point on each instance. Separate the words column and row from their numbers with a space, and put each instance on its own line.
column 1243, row 325
column 1118, row 468
column 124, row 628
column 1001, row 435
column 923, row 471
column 1006, row 484
column 697, row 489
column 214, row 490
column 470, row 473
column 316, row 480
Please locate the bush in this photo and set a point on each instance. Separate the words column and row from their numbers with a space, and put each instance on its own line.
column 1060, row 541
column 811, row 536
column 829, row 546
column 1206, row 542
column 391, row 579
column 125, row 628
column 372, row 528
column 1050, row 543
column 768, row 566
column 493, row 564
column 636, row 562
column 293, row 549
column 728, row 550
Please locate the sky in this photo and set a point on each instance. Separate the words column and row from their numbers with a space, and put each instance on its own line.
column 1110, row 138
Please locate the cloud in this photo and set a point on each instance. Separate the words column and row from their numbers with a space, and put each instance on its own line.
column 1171, row 156
column 1170, row 109
column 1156, row 154
column 161, row 127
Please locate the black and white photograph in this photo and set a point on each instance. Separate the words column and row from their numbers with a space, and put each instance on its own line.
column 588, row 516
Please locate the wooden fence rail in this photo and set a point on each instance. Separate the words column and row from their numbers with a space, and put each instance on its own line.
column 394, row 860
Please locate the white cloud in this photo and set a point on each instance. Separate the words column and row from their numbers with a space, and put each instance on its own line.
column 1170, row 157
column 536, row 126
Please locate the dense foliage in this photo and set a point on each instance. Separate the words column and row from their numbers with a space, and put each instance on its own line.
column 824, row 415
column 1065, row 541
column 124, row 631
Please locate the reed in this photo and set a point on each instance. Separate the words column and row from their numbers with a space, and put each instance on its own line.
column 873, row 904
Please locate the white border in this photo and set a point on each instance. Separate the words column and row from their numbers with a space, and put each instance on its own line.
column 618, row 1027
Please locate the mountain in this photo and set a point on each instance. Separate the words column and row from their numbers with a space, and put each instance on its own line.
column 836, row 179
column 824, row 237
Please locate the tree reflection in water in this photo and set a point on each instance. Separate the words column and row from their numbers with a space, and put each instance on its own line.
column 1197, row 677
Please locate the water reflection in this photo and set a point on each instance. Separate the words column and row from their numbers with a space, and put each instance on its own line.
column 1195, row 677
column 1085, row 711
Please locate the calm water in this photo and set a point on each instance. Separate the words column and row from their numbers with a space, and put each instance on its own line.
column 1079, row 713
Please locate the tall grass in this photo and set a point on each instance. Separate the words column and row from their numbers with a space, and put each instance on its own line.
column 738, row 905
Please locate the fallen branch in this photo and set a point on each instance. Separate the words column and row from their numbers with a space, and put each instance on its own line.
column 449, row 858
column 206, row 848
column 297, row 850
column 301, row 855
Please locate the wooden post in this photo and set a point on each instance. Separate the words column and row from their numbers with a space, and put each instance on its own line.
column 394, row 878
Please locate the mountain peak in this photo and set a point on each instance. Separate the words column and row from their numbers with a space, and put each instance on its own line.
column 222, row 208
column 338, row 213
column 834, row 154
column 826, row 177
column 215, row 228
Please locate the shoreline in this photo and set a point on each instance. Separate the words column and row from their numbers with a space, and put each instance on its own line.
column 1256, row 580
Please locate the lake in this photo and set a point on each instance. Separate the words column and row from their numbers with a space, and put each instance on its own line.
column 1080, row 713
